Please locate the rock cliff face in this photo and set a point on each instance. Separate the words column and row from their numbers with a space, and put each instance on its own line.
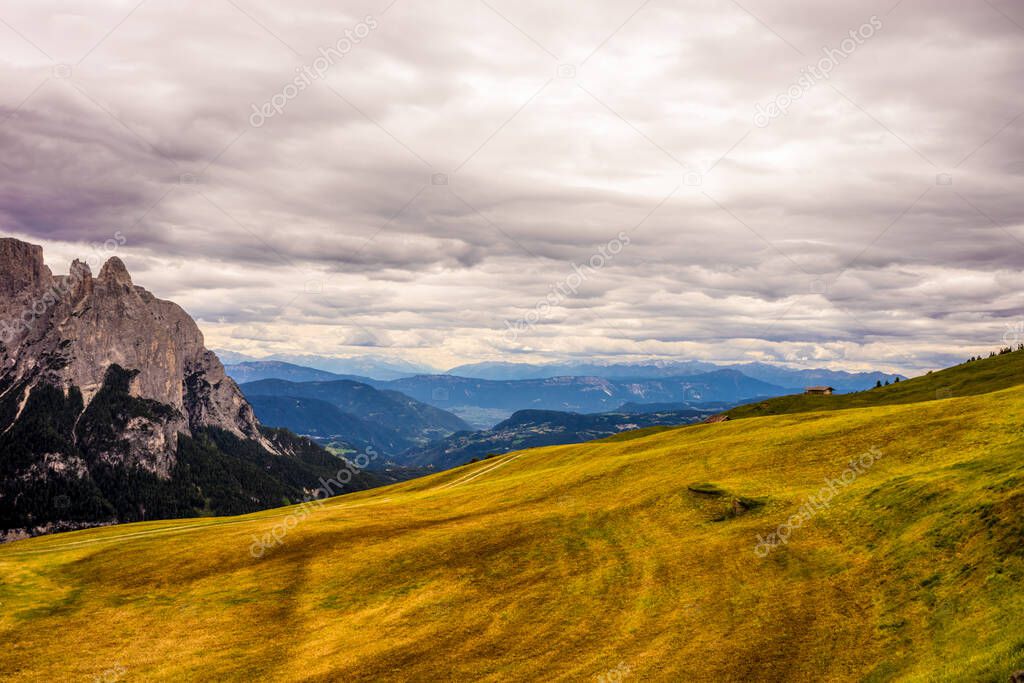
column 112, row 408
column 66, row 331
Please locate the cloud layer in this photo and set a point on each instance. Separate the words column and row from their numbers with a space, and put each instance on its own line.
column 417, row 179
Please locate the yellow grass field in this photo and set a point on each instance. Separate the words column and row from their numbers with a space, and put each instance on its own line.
column 632, row 559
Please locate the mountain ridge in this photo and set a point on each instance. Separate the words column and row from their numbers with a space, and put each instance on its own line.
column 369, row 366
column 782, row 375
column 581, row 394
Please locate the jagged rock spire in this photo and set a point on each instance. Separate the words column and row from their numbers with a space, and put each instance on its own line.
column 115, row 272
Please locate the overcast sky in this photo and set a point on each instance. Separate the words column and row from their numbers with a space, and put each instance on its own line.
column 423, row 186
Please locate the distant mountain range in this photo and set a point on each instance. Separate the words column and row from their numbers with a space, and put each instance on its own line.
column 484, row 402
column 409, row 414
column 412, row 434
column 378, row 368
column 372, row 367
column 254, row 371
column 533, row 428
column 353, row 412
column 783, row 376
column 651, row 369
column 582, row 394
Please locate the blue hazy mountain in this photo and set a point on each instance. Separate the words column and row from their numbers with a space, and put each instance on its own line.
column 352, row 412
column 374, row 367
column 779, row 375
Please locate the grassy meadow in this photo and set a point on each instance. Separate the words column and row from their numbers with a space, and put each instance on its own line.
column 967, row 379
column 627, row 559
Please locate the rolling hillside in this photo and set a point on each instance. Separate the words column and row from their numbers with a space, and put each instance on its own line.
column 967, row 379
column 655, row 558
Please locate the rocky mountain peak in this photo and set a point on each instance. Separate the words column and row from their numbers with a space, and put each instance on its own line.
column 68, row 331
column 115, row 272
column 113, row 410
